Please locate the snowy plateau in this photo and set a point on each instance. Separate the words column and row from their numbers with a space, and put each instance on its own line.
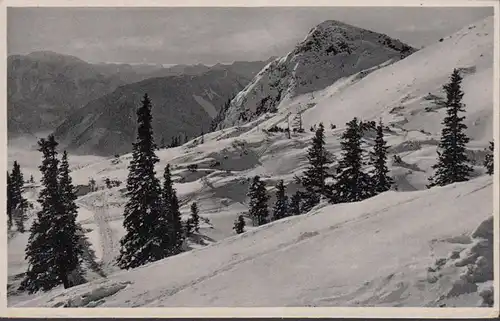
column 414, row 247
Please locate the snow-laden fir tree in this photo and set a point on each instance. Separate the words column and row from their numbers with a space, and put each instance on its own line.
column 145, row 222
column 296, row 204
column 195, row 217
column 381, row 180
column 280, row 209
column 9, row 202
column 52, row 250
column 69, row 244
column 258, row 210
column 171, row 205
column 42, row 269
column 452, row 164
column 352, row 184
column 19, row 204
column 488, row 159
column 315, row 175
column 239, row 225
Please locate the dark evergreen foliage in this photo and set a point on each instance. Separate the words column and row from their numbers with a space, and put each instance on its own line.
column 171, row 205
column 239, row 225
column 9, row 202
column 19, row 204
column 452, row 164
column 352, row 184
column 52, row 251
column 382, row 181
column 195, row 217
column 315, row 175
column 488, row 159
column 69, row 244
column 296, row 204
column 145, row 223
column 258, row 202
column 281, row 206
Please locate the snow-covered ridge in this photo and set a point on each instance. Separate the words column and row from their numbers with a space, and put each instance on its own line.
column 332, row 50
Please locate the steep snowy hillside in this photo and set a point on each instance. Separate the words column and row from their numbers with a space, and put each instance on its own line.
column 391, row 250
column 411, row 224
column 330, row 51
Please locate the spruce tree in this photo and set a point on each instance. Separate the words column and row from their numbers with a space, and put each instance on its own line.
column 45, row 269
column 314, row 177
column 19, row 203
column 452, row 164
column 9, row 202
column 296, row 204
column 195, row 217
column 488, row 159
column 69, row 245
column 352, row 184
column 32, row 179
column 281, row 206
column 258, row 202
column 239, row 225
column 381, row 180
column 171, row 205
column 146, row 227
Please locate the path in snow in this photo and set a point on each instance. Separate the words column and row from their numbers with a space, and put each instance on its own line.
column 102, row 218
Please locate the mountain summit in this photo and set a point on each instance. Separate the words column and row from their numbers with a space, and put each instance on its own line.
column 332, row 50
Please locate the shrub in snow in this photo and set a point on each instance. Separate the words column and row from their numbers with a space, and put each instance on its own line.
column 239, row 225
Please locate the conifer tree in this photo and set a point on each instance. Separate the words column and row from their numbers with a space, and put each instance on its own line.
column 69, row 245
column 488, row 159
column 382, row 181
column 32, row 179
column 314, row 177
column 174, row 223
column 239, row 225
column 9, row 202
column 352, row 184
column 452, row 164
column 18, row 202
column 281, row 206
column 258, row 202
column 146, row 227
column 46, row 267
column 296, row 203
column 195, row 217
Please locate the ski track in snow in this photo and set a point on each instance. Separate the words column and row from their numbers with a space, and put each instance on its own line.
column 102, row 218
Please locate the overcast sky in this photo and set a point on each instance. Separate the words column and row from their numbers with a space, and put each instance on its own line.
column 211, row 35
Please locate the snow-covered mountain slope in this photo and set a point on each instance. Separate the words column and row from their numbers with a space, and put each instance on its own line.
column 332, row 50
column 229, row 158
column 406, row 92
column 379, row 252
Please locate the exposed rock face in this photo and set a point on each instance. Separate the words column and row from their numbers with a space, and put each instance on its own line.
column 332, row 50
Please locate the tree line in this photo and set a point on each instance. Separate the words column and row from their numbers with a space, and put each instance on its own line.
column 351, row 181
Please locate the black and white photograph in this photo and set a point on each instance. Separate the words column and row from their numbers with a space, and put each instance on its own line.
column 251, row 156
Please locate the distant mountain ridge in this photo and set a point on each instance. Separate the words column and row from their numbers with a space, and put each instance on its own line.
column 182, row 106
column 45, row 87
